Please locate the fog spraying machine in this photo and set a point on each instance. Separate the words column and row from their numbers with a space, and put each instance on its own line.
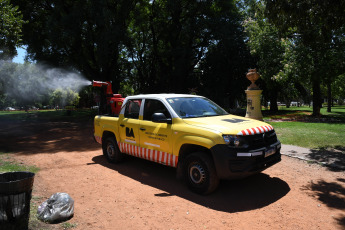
column 110, row 103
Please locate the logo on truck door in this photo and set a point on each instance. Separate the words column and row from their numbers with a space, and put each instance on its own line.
column 129, row 132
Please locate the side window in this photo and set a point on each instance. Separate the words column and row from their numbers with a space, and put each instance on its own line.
column 132, row 109
column 154, row 106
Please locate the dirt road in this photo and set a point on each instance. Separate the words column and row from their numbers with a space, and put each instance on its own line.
column 138, row 194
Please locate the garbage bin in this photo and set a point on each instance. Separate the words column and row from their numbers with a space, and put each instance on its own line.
column 15, row 196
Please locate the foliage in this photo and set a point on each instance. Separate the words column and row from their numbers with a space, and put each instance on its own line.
column 318, row 28
column 156, row 46
column 181, row 46
column 266, row 45
column 222, row 72
column 10, row 29
column 87, row 36
column 61, row 97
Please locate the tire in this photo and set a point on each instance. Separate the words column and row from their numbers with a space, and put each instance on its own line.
column 111, row 151
column 200, row 174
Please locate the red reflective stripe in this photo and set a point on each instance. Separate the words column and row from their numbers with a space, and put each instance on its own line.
column 151, row 155
column 261, row 129
column 175, row 161
column 147, row 154
column 165, row 158
column 160, row 157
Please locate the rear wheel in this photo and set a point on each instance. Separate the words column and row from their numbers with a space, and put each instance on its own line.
column 200, row 173
column 111, row 151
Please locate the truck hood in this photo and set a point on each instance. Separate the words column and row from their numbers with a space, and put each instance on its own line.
column 230, row 124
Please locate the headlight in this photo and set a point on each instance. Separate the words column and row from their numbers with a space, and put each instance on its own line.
column 232, row 140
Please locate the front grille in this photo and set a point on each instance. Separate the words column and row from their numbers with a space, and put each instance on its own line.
column 261, row 140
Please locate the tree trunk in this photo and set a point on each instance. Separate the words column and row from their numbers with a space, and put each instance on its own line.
column 273, row 101
column 316, row 97
column 329, row 95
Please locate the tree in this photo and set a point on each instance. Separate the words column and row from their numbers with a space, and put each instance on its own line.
column 169, row 38
column 188, row 46
column 266, row 45
column 318, row 26
column 153, row 45
column 10, row 29
column 87, row 36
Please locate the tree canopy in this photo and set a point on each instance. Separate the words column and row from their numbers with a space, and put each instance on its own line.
column 317, row 31
column 154, row 45
column 10, row 29
column 182, row 46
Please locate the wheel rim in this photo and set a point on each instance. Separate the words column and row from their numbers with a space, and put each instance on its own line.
column 197, row 174
column 110, row 150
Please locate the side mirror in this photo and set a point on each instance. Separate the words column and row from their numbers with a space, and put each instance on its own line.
column 160, row 118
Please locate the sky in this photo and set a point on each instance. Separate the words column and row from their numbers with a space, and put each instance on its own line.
column 21, row 55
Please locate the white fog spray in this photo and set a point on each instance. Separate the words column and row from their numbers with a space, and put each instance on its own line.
column 32, row 81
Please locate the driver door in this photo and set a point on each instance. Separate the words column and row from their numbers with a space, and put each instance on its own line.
column 129, row 128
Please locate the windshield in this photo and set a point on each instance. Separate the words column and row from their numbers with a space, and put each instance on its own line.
column 189, row 107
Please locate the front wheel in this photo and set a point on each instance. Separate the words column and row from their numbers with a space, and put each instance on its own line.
column 200, row 173
column 111, row 151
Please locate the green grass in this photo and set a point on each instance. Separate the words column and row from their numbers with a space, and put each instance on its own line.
column 296, row 126
column 310, row 135
column 68, row 225
column 337, row 112
column 7, row 164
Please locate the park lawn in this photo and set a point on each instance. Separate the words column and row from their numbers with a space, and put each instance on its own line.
column 310, row 135
column 295, row 126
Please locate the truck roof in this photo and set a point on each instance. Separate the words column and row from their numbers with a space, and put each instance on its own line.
column 161, row 96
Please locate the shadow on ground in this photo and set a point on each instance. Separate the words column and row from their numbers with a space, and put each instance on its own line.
column 232, row 196
column 33, row 137
column 331, row 194
column 332, row 158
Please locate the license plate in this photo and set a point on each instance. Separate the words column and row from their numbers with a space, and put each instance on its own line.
column 270, row 152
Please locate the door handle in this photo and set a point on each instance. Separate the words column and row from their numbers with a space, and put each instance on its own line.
column 142, row 129
column 122, row 125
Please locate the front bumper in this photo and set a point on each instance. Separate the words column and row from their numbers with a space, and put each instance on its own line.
column 232, row 163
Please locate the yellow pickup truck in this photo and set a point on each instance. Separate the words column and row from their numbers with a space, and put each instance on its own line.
column 190, row 133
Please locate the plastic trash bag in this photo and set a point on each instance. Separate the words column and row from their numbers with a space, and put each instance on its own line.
column 58, row 207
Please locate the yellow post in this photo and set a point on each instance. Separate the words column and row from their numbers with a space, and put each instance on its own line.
column 253, row 96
